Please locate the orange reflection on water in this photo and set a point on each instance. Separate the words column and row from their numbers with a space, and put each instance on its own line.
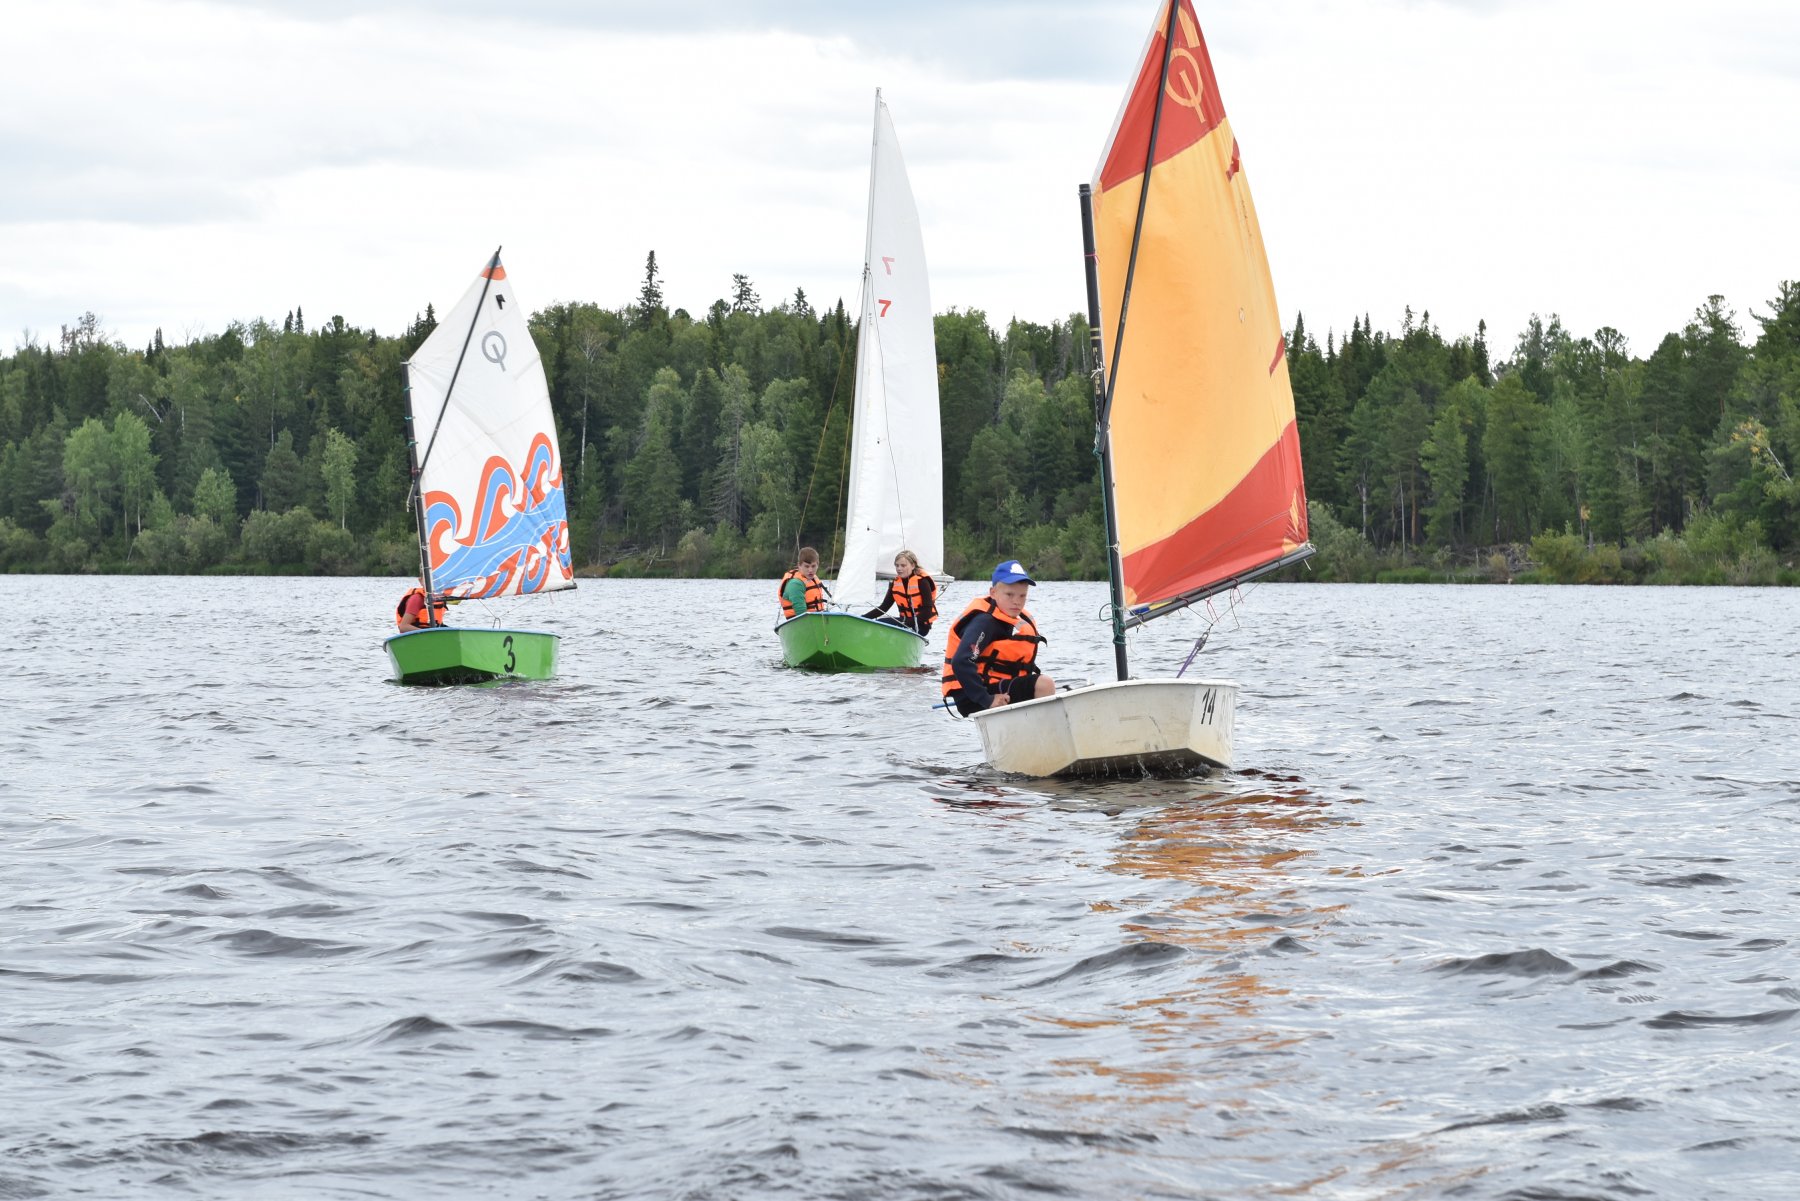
column 1231, row 856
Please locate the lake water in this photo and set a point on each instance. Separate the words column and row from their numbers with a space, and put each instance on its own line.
column 1500, row 902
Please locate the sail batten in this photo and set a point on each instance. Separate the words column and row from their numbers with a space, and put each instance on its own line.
column 896, row 491
column 1199, row 412
column 493, row 521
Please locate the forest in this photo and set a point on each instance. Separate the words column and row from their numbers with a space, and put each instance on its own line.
column 714, row 445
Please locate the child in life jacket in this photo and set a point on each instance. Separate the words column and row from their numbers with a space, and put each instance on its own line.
column 914, row 591
column 416, row 611
column 801, row 590
column 991, row 656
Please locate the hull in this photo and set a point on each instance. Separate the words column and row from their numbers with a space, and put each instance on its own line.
column 842, row 642
column 471, row 656
column 1136, row 728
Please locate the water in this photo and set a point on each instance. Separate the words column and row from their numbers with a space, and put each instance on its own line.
column 1500, row 904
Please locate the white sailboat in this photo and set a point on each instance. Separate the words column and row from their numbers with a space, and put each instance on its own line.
column 896, row 492
column 487, row 487
column 1200, row 455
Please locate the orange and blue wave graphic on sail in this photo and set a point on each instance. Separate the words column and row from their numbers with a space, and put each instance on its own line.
column 516, row 538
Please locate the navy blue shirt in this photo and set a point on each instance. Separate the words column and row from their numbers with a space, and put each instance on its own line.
column 982, row 629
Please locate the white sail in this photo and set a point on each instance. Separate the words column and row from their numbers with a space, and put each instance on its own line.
column 490, row 470
column 896, row 456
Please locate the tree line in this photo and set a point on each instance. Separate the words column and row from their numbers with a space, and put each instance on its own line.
column 716, row 444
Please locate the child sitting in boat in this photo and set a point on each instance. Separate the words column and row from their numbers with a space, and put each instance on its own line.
column 801, row 589
column 991, row 655
column 417, row 611
column 914, row 592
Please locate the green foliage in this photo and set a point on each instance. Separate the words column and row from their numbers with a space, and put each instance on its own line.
column 19, row 547
column 284, row 483
column 330, row 549
column 215, row 497
column 1341, row 553
column 278, row 540
column 1511, row 445
column 92, row 473
column 716, row 446
column 339, row 472
column 136, row 465
column 1558, row 555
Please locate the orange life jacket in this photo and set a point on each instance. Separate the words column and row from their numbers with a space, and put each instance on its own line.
column 815, row 594
column 430, row 614
column 1003, row 659
column 910, row 600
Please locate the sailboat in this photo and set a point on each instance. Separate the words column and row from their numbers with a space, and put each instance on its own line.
column 896, row 494
column 1200, row 455
column 487, row 488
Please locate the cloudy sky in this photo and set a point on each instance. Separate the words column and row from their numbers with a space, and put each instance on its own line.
column 184, row 164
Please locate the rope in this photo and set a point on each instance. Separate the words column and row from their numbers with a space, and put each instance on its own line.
column 1238, row 597
column 830, row 408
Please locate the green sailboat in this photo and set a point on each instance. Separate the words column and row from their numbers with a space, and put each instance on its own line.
column 846, row 642
column 896, row 484
column 487, row 488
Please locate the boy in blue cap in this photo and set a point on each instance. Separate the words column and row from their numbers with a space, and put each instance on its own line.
column 991, row 656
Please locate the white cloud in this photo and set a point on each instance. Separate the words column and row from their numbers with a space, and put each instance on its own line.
column 185, row 164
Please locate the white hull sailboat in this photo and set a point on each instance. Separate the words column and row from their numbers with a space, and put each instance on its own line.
column 487, row 487
column 896, row 456
column 1137, row 727
column 1200, row 457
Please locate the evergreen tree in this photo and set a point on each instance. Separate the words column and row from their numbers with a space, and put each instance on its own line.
column 650, row 297
column 743, row 297
column 283, row 477
column 1510, row 449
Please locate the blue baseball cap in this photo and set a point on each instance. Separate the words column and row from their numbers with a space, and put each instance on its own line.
column 1012, row 572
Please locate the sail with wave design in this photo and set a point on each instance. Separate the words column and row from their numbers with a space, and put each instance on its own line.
column 1205, row 451
column 487, row 490
column 490, row 473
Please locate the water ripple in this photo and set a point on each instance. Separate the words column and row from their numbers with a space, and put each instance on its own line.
column 1497, row 905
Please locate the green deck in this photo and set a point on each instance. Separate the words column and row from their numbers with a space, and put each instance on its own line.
column 842, row 642
column 471, row 656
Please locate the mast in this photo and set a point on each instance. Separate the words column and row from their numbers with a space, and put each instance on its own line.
column 414, row 501
column 1115, row 566
column 1115, row 569
column 865, row 330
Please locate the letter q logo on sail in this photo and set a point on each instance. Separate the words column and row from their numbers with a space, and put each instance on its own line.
column 493, row 348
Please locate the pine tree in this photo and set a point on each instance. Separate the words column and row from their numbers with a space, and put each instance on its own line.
column 743, row 297
column 650, row 297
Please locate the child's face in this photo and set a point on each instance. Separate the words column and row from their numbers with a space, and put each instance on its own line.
column 1010, row 597
column 903, row 567
column 809, row 570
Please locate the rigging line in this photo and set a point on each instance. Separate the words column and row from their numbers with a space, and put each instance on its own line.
column 1137, row 231
column 487, row 281
column 825, row 428
column 1187, row 662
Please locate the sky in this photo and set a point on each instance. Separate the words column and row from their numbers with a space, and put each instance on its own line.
column 184, row 164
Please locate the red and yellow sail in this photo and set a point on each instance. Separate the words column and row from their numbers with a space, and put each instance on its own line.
column 1206, row 459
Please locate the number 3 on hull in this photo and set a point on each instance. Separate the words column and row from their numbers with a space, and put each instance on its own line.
column 1200, row 457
